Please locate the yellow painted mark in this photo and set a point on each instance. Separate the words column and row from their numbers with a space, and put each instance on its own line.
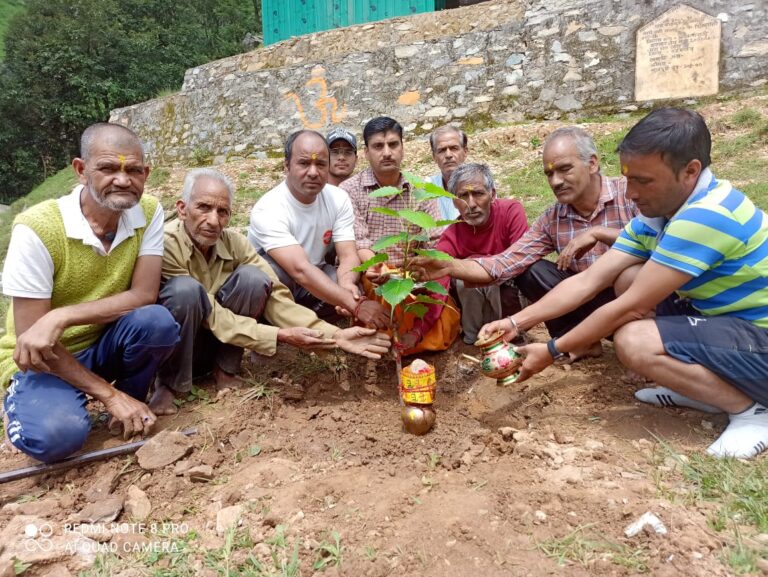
column 322, row 102
column 409, row 98
column 624, row 169
column 121, row 158
column 551, row 166
column 314, row 156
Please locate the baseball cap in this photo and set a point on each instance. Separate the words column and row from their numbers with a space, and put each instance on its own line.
column 340, row 133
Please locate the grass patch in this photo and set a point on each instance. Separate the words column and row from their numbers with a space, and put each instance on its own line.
column 740, row 489
column 57, row 185
column 158, row 177
column 583, row 547
column 746, row 116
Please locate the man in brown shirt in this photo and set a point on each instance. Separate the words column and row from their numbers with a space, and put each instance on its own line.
column 217, row 287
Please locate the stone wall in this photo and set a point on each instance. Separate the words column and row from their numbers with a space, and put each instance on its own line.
column 502, row 60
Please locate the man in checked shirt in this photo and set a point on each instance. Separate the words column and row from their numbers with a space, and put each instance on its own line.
column 383, row 138
column 590, row 212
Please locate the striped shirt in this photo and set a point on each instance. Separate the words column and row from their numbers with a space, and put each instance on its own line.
column 719, row 238
column 370, row 226
column 558, row 226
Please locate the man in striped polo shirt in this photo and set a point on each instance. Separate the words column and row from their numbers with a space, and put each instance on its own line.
column 698, row 257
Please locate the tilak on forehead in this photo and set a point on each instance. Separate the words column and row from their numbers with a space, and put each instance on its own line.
column 624, row 169
column 550, row 165
column 314, row 156
column 469, row 188
column 121, row 158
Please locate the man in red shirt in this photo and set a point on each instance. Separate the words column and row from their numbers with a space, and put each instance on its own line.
column 488, row 226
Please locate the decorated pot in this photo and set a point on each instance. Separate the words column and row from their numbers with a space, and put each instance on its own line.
column 500, row 361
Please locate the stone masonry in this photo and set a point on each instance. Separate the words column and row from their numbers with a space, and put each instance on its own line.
column 503, row 60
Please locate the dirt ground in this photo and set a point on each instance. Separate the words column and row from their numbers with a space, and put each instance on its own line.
column 509, row 479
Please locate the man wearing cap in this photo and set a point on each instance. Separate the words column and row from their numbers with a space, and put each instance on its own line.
column 297, row 224
column 343, row 145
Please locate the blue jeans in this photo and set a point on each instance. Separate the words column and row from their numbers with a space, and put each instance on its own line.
column 47, row 418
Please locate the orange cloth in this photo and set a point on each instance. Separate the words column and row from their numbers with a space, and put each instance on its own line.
column 438, row 338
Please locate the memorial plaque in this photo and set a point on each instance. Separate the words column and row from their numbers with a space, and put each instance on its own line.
column 677, row 55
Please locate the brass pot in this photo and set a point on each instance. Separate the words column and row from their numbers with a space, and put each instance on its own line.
column 418, row 420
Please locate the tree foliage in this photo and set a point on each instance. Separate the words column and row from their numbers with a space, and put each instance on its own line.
column 69, row 62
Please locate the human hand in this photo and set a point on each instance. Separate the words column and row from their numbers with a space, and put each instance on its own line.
column 35, row 345
column 506, row 325
column 372, row 313
column 408, row 340
column 424, row 268
column 535, row 358
column 352, row 287
column 362, row 341
column 135, row 417
column 578, row 246
column 304, row 338
column 378, row 274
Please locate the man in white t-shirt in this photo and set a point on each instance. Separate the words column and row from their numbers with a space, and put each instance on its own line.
column 300, row 224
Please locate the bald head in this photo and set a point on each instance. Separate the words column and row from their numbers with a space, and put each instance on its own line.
column 112, row 134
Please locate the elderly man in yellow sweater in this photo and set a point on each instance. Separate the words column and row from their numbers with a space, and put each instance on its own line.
column 83, row 272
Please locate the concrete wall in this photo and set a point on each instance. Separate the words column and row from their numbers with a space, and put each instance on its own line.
column 502, row 60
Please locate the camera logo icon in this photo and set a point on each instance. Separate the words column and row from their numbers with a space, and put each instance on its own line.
column 38, row 537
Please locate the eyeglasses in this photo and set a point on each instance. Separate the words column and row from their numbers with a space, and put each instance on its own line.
column 342, row 152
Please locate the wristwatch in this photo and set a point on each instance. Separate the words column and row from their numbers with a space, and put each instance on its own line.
column 552, row 348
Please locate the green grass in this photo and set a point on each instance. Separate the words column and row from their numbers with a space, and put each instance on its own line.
column 584, row 547
column 8, row 9
column 57, row 185
column 739, row 490
column 747, row 116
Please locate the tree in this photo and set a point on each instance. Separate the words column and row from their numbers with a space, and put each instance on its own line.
column 69, row 62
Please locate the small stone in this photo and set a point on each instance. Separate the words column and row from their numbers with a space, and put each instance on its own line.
column 163, row 449
column 228, row 518
column 507, row 433
column 262, row 550
column 127, row 543
column 708, row 425
column 562, row 438
column 200, row 474
column 540, row 516
column 137, row 505
column 104, row 511
column 761, row 538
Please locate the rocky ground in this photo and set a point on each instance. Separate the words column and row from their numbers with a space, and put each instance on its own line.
column 307, row 468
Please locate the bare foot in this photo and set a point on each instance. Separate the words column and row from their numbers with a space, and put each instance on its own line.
column 225, row 380
column 7, row 444
column 161, row 402
column 592, row 351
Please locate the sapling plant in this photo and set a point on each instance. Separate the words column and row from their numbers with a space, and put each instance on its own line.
column 401, row 290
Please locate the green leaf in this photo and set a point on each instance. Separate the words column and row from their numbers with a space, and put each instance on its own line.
column 384, row 210
column 381, row 257
column 419, row 238
column 385, row 191
column 394, row 291
column 417, row 217
column 389, row 240
column 437, row 191
column 428, row 300
column 415, row 181
column 254, row 450
column 416, row 309
column 433, row 254
column 435, row 287
column 446, row 222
